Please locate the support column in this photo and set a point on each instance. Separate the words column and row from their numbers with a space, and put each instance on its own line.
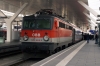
column 99, row 34
column 98, row 22
column 9, row 22
column 9, row 31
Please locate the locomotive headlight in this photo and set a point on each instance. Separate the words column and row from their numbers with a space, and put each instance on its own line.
column 25, row 38
column 46, row 38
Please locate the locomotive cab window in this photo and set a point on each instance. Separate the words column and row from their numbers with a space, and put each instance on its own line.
column 28, row 24
column 43, row 24
column 36, row 24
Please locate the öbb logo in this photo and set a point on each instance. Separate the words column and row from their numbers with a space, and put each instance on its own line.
column 36, row 34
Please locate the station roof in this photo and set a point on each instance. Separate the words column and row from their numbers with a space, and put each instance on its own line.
column 35, row 5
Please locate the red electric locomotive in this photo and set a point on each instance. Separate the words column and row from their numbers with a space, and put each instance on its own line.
column 45, row 32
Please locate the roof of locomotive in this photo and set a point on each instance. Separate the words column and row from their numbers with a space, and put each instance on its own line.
column 40, row 16
column 45, row 13
column 44, row 16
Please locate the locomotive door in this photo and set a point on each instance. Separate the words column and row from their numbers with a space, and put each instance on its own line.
column 57, row 32
column 73, row 36
column 58, row 36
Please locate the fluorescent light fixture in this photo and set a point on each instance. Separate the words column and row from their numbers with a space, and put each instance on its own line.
column 11, row 13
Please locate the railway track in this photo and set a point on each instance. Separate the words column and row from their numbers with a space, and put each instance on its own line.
column 9, row 53
column 6, row 61
column 17, row 60
column 27, row 62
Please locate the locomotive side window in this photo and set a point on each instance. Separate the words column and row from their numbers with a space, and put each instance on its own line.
column 62, row 25
column 67, row 27
column 70, row 27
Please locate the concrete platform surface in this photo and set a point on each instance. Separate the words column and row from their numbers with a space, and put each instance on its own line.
column 81, row 54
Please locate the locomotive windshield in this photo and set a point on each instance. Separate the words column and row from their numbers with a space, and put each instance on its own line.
column 43, row 24
column 28, row 24
column 36, row 24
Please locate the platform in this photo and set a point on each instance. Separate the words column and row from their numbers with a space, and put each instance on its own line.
column 80, row 54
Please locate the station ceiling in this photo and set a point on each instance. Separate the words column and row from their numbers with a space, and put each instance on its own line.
column 57, row 5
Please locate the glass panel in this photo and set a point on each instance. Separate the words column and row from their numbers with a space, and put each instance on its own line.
column 43, row 24
column 36, row 24
column 29, row 24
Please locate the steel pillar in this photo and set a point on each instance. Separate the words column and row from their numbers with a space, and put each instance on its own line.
column 99, row 34
column 9, row 22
